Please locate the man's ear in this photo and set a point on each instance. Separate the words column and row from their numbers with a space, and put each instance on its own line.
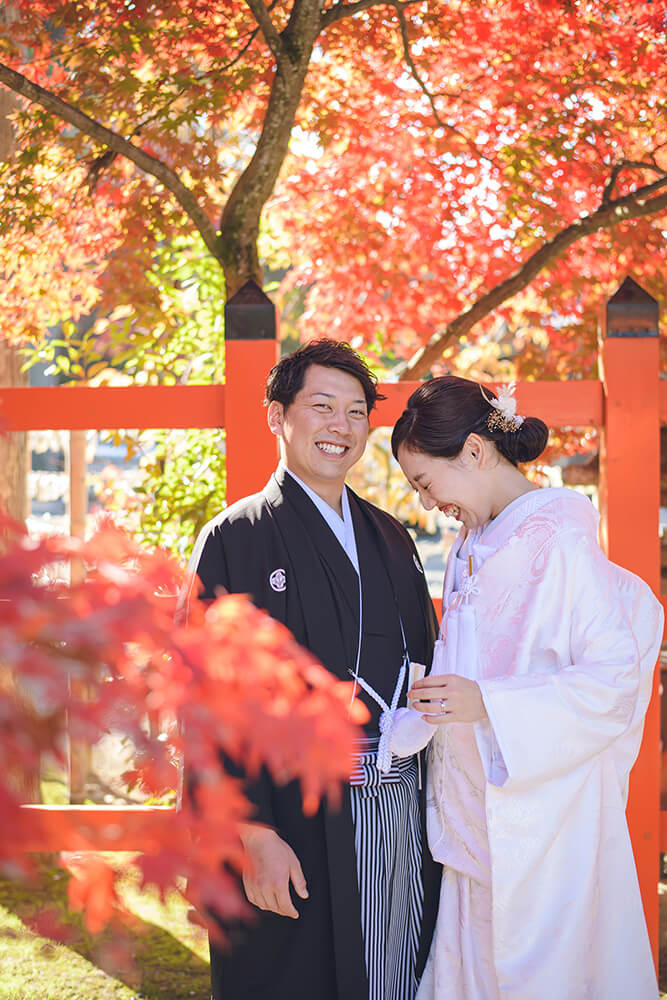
column 274, row 418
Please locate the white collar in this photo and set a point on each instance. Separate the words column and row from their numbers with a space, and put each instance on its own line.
column 342, row 527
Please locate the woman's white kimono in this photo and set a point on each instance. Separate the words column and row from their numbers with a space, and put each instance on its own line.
column 526, row 810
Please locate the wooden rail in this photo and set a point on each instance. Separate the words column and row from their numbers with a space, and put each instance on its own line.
column 67, row 408
column 94, row 828
column 578, row 403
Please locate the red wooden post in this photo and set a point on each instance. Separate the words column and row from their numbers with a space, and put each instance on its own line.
column 251, row 350
column 630, row 506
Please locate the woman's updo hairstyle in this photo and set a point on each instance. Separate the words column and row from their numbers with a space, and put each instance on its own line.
column 442, row 412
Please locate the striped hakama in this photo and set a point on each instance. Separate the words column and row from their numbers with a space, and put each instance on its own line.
column 388, row 845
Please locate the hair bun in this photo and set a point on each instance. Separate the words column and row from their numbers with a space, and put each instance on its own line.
column 526, row 443
column 443, row 411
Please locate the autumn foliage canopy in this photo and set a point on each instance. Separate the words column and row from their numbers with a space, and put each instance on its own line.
column 452, row 166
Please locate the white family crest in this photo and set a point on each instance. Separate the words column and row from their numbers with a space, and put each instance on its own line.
column 278, row 580
column 418, row 564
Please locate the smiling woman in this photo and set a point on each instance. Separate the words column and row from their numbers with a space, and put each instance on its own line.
column 533, row 709
column 442, row 412
column 459, row 447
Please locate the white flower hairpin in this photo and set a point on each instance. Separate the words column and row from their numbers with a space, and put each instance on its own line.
column 503, row 416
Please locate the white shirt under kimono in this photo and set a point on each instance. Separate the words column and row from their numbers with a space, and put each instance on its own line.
column 531, row 802
column 342, row 527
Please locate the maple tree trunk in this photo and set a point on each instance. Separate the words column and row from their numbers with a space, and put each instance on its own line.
column 239, row 226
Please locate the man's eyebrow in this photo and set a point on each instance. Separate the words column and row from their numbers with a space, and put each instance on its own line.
column 330, row 395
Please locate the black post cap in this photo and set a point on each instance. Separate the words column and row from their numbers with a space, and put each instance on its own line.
column 250, row 314
column 632, row 312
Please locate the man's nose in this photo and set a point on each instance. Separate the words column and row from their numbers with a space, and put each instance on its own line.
column 340, row 421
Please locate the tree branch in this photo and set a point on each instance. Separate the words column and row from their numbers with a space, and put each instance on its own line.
column 242, row 51
column 197, row 78
column 399, row 8
column 341, row 10
column 413, row 66
column 268, row 28
column 628, row 165
column 147, row 163
column 631, row 206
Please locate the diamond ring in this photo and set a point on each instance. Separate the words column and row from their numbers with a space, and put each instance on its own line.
column 443, row 705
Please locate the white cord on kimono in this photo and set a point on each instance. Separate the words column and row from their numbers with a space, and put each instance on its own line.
column 355, row 672
column 469, row 588
column 383, row 759
column 386, row 722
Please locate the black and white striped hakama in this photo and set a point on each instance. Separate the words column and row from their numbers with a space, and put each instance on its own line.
column 387, row 836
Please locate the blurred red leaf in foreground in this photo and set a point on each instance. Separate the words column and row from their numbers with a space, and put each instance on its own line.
column 229, row 679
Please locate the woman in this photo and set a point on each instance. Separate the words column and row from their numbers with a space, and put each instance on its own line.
column 534, row 709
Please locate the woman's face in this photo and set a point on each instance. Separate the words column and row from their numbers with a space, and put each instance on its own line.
column 453, row 485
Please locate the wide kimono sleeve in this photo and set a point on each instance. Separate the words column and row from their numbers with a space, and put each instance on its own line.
column 207, row 574
column 549, row 721
column 209, row 577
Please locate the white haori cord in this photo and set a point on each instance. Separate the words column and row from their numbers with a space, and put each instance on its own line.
column 355, row 672
column 383, row 759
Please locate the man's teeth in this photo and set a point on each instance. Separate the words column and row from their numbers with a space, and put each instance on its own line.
column 331, row 449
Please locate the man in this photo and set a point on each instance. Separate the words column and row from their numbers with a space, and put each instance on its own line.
column 339, row 896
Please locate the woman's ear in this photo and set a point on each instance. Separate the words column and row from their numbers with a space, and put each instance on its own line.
column 274, row 418
column 474, row 451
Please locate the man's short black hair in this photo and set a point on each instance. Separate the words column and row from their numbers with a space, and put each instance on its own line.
column 287, row 377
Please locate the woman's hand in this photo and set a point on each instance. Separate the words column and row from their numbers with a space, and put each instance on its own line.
column 447, row 698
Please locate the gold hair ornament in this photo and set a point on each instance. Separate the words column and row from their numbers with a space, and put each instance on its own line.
column 503, row 416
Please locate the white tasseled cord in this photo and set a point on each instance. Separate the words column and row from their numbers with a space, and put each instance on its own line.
column 383, row 761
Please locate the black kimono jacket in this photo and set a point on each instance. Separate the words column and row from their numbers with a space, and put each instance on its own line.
column 276, row 547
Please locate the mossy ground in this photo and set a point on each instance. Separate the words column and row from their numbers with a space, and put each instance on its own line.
column 169, row 956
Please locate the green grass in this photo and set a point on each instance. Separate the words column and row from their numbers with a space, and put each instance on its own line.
column 169, row 955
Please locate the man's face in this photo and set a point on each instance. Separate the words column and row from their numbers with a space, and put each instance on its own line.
column 323, row 431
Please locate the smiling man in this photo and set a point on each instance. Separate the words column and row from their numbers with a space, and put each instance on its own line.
column 344, row 900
